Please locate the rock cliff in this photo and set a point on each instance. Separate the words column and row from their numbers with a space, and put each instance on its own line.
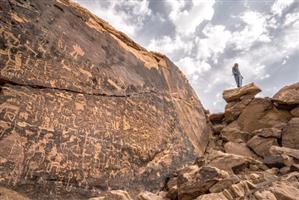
column 86, row 113
column 84, row 109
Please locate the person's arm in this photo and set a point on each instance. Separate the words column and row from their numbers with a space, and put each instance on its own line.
column 235, row 71
column 238, row 71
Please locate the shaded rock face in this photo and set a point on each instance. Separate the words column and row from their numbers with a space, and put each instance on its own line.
column 83, row 108
column 261, row 113
column 290, row 135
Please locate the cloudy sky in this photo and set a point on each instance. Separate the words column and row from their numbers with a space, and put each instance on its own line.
column 204, row 38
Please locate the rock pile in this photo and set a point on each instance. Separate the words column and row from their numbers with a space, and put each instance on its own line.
column 253, row 153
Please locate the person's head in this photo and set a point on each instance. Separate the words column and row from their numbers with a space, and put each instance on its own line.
column 236, row 65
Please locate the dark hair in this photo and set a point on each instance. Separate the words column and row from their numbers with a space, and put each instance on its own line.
column 236, row 64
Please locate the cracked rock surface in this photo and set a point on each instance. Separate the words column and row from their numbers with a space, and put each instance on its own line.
column 84, row 109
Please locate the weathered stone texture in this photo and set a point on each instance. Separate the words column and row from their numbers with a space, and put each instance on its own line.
column 83, row 108
column 236, row 93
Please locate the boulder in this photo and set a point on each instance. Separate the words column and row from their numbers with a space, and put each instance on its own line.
column 149, row 196
column 268, row 132
column 235, row 94
column 239, row 190
column 264, row 195
column 284, row 150
column 288, row 95
column 232, row 163
column 261, row 145
column 234, row 109
column 113, row 195
column 290, row 135
column 216, row 118
column 8, row 194
column 285, row 190
column 233, row 133
column 295, row 112
column 261, row 113
column 172, row 188
column 212, row 196
column 198, row 181
column 239, row 149
column 278, row 161
column 224, row 184
column 281, row 156
column 84, row 108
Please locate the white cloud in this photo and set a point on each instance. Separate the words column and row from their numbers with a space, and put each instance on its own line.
column 291, row 18
column 192, row 66
column 125, row 15
column 168, row 45
column 255, row 30
column 187, row 20
column 279, row 6
column 214, row 43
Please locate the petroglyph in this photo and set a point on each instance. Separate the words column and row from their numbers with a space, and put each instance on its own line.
column 84, row 110
column 18, row 18
column 77, row 51
column 92, row 147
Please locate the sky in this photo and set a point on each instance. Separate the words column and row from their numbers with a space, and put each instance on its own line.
column 204, row 38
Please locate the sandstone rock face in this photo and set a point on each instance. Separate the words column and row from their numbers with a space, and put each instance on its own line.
column 84, row 108
column 295, row 112
column 261, row 146
column 113, row 195
column 235, row 94
column 234, row 109
column 198, row 181
column 238, row 149
column 290, row 135
column 261, row 113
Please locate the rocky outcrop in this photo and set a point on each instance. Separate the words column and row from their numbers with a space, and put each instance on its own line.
column 84, row 109
column 255, row 151
column 245, row 91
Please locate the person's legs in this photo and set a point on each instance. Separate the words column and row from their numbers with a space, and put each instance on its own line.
column 237, row 80
column 240, row 81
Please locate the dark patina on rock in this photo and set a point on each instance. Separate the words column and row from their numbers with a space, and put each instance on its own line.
column 84, row 109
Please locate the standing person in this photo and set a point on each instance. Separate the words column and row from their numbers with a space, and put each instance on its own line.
column 237, row 75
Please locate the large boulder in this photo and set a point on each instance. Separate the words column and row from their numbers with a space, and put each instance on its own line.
column 238, row 149
column 113, row 195
column 261, row 113
column 235, row 94
column 83, row 108
column 197, row 181
column 288, row 95
column 295, row 112
column 274, row 132
column 261, row 145
column 234, row 109
column 290, row 135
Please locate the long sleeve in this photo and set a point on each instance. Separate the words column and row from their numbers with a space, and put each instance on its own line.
column 236, row 71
